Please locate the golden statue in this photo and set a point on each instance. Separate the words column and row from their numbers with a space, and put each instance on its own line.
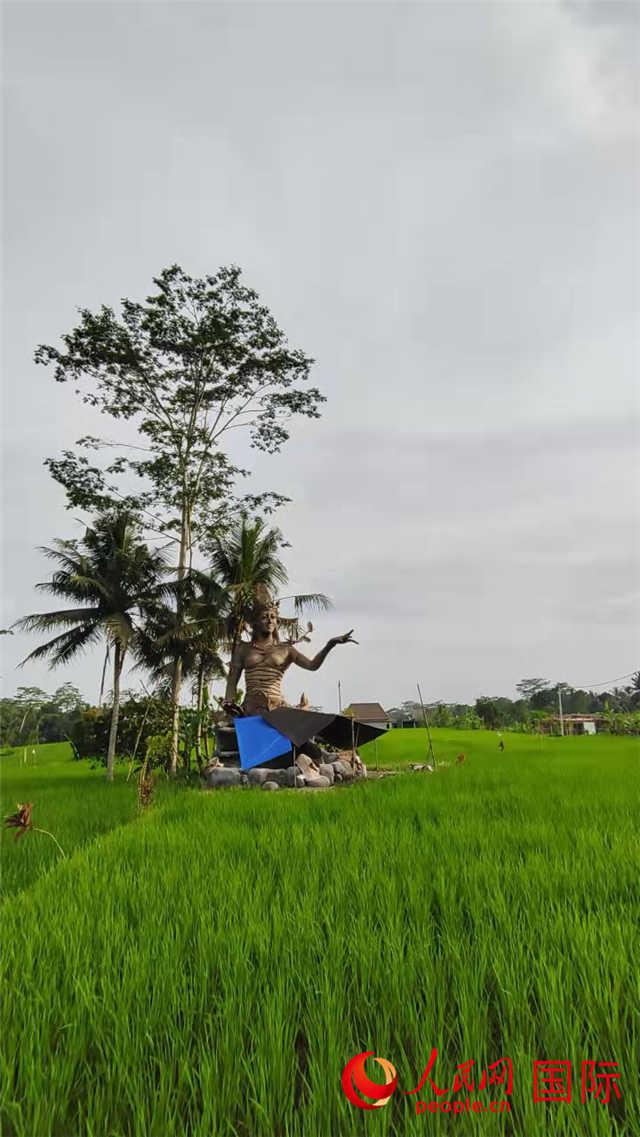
column 265, row 659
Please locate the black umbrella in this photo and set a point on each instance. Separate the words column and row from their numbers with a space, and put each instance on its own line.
column 339, row 730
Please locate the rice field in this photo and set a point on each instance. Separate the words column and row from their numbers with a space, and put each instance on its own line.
column 208, row 967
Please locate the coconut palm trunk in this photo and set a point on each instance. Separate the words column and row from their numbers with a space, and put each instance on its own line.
column 176, row 684
column 206, row 702
column 104, row 674
column 199, row 709
column 176, row 679
column 118, row 661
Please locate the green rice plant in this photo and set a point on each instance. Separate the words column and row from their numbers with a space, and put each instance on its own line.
column 209, row 967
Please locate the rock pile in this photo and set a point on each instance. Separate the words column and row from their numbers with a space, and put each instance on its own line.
column 304, row 774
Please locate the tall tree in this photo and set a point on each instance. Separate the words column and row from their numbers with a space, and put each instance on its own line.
column 530, row 687
column 110, row 575
column 195, row 360
column 31, row 700
column 633, row 690
column 487, row 709
column 67, row 698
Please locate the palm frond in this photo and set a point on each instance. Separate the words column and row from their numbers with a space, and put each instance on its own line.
column 66, row 553
column 68, row 588
column 316, row 601
column 62, row 648
column 119, row 627
column 112, row 572
column 47, row 621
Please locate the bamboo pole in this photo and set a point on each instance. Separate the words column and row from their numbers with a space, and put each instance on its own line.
column 426, row 723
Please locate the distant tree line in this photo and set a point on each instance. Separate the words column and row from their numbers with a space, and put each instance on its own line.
column 461, row 716
column 32, row 717
column 539, row 701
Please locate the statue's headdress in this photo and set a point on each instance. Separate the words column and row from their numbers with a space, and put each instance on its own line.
column 263, row 601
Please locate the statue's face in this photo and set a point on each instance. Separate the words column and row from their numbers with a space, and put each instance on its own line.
column 266, row 621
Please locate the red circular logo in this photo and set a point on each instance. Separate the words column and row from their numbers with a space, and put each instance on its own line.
column 355, row 1082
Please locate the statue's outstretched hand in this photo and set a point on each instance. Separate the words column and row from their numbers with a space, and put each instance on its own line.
column 347, row 638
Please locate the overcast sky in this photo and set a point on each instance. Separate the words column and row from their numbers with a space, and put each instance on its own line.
column 438, row 201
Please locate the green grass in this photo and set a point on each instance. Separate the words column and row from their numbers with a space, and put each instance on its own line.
column 69, row 799
column 209, row 968
column 399, row 748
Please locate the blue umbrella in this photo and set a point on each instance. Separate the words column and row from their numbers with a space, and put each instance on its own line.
column 258, row 742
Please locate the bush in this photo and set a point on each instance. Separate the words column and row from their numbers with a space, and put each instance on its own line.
column 622, row 722
column 158, row 749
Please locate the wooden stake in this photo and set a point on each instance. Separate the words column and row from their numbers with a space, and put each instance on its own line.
column 426, row 723
column 353, row 743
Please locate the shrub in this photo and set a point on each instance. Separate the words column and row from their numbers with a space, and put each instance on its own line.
column 158, row 749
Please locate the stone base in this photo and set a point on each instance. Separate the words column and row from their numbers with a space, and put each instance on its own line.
column 338, row 767
column 221, row 777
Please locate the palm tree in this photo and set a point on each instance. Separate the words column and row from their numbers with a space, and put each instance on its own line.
column 247, row 558
column 166, row 647
column 184, row 636
column 111, row 575
column 211, row 609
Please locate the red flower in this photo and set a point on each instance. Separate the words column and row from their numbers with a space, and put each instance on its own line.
column 20, row 820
